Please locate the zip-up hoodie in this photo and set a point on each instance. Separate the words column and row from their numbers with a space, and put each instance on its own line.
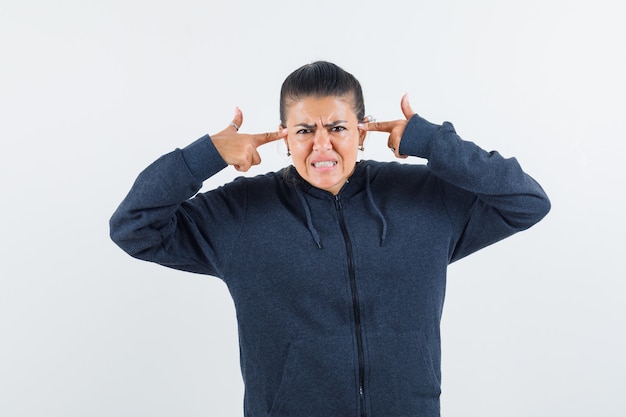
column 338, row 298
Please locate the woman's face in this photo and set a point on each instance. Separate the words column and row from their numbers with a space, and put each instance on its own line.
column 323, row 138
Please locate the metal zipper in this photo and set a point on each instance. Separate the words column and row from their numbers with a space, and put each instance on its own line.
column 355, row 305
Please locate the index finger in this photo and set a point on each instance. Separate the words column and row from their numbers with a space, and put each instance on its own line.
column 377, row 126
column 263, row 138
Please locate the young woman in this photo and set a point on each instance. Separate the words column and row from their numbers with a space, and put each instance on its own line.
column 337, row 268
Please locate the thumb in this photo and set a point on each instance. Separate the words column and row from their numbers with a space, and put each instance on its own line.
column 407, row 110
column 237, row 119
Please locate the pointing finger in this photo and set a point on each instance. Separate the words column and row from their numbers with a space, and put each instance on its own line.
column 263, row 138
column 378, row 126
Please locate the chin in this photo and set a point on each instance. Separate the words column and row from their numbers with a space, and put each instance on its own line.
column 326, row 185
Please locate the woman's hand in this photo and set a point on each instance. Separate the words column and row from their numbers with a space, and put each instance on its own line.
column 240, row 149
column 394, row 128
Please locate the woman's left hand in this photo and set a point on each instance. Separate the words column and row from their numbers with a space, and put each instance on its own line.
column 395, row 128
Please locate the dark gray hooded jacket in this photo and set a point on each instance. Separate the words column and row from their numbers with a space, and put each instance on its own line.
column 338, row 298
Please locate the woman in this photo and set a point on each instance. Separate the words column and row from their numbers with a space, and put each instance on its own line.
column 337, row 269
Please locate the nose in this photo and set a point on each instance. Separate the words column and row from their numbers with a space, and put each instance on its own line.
column 321, row 141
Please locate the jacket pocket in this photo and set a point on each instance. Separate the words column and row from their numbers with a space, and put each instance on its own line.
column 402, row 380
column 319, row 379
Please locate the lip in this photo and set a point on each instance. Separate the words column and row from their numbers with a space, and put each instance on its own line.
column 327, row 164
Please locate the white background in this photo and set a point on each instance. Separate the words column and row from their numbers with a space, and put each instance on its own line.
column 92, row 91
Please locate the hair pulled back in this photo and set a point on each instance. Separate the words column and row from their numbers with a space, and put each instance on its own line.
column 321, row 79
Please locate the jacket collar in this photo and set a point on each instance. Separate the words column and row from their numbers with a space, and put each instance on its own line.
column 358, row 181
column 355, row 183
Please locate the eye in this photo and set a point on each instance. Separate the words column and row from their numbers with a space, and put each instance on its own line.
column 303, row 131
column 338, row 129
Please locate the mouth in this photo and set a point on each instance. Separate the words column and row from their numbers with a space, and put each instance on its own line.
column 324, row 164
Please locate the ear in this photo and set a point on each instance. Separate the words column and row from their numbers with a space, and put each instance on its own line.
column 363, row 133
column 283, row 127
column 362, row 136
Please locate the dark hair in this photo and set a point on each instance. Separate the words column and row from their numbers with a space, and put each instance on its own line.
column 321, row 79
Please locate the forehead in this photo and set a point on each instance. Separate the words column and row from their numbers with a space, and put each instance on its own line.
column 324, row 108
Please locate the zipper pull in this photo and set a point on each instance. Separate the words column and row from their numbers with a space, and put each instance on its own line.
column 337, row 202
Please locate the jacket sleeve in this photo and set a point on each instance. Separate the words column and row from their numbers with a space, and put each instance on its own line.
column 159, row 221
column 488, row 197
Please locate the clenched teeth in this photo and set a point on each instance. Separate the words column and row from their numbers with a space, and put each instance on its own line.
column 325, row 164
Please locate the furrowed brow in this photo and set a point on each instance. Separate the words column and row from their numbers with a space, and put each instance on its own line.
column 335, row 123
column 331, row 124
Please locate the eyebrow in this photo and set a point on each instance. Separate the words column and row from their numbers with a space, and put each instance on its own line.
column 331, row 124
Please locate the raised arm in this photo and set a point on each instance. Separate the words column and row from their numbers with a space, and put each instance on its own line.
column 159, row 221
column 488, row 197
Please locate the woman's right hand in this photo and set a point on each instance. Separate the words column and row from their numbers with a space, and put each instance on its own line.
column 240, row 149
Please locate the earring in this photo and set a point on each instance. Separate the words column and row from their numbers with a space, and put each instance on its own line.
column 366, row 119
column 288, row 152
